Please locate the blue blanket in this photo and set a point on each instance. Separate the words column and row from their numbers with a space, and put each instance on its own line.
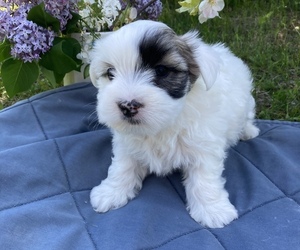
column 53, row 151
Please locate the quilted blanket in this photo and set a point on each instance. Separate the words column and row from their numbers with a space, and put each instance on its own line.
column 53, row 151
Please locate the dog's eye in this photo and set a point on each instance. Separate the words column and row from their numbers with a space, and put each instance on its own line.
column 162, row 71
column 110, row 74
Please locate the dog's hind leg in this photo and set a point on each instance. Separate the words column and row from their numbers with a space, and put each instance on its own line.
column 250, row 130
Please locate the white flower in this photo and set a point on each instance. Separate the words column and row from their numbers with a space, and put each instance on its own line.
column 133, row 13
column 210, row 9
column 110, row 10
column 85, row 13
column 89, row 2
column 86, row 41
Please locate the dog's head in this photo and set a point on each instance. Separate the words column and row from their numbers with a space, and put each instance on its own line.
column 144, row 71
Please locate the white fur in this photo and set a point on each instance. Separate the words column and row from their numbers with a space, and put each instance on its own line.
column 191, row 133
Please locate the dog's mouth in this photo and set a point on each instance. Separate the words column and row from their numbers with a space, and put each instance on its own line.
column 132, row 121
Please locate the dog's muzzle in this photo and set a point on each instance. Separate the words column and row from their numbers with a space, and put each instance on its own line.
column 129, row 109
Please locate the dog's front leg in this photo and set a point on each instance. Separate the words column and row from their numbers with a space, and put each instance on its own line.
column 207, row 200
column 123, row 182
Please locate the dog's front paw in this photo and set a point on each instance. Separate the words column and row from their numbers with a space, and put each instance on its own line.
column 215, row 215
column 104, row 197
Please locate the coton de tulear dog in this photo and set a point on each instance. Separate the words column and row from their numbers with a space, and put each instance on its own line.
column 172, row 102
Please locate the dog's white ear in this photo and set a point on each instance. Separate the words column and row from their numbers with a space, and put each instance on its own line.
column 206, row 57
column 94, row 76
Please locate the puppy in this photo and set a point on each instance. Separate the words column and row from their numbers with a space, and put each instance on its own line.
column 172, row 102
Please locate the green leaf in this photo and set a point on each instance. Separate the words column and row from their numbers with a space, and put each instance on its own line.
column 265, row 18
column 49, row 76
column 59, row 77
column 61, row 58
column 38, row 15
column 5, row 50
column 18, row 76
column 86, row 71
column 72, row 48
column 189, row 5
column 52, row 77
column 72, row 24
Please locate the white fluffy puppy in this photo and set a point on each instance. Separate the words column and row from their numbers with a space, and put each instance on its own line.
column 172, row 102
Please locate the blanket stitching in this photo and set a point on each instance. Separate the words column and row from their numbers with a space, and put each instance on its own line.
column 234, row 149
column 69, row 185
column 42, row 95
column 173, row 186
column 33, row 201
column 262, row 172
column 267, row 131
column 279, row 122
column 38, row 120
column 261, row 205
column 216, row 237
column 42, row 198
column 17, row 104
column 294, row 193
column 57, row 91
column 174, row 238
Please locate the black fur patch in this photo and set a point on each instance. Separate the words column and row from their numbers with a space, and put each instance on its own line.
column 176, row 83
column 155, row 49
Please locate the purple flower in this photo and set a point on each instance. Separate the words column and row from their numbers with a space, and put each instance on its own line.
column 151, row 12
column 61, row 9
column 17, row 2
column 28, row 40
column 4, row 16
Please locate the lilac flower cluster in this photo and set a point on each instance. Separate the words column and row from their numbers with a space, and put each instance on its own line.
column 61, row 9
column 4, row 26
column 28, row 40
column 151, row 12
column 8, row 3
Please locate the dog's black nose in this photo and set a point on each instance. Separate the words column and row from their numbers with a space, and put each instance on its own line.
column 130, row 109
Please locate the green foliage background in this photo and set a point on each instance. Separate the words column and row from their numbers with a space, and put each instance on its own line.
column 265, row 34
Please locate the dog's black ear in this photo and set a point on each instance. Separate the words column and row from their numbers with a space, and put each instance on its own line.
column 205, row 57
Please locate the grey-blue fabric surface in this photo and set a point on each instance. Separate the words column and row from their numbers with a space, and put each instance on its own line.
column 53, row 151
